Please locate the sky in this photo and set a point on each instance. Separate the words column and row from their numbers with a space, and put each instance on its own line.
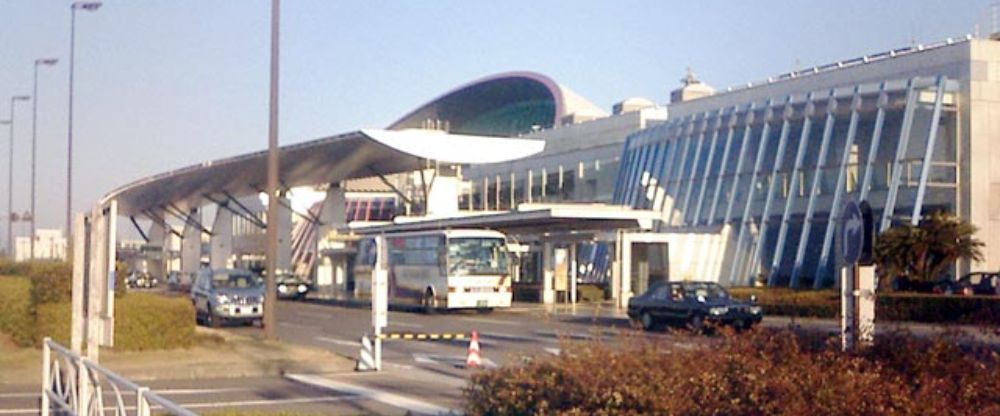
column 163, row 84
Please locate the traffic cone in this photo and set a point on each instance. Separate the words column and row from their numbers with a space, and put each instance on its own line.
column 473, row 360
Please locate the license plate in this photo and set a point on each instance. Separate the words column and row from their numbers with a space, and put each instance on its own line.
column 481, row 304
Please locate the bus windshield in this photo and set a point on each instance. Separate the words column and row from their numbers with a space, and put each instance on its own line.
column 471, row 256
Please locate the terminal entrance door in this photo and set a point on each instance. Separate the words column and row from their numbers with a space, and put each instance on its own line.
column 649, row 265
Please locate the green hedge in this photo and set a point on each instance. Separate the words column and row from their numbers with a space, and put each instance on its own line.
column 39, row 306
column 53, row 320
column 926, row 308
column 16, row 313
column 145, row 321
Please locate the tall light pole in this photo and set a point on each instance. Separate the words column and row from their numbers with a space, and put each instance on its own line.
column 8, row 122
column 89, row 6
column 34, row 139
column 10, row 176
column 272, row 181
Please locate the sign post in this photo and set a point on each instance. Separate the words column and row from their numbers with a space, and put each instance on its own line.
column 380, row 297
column 851, row 243
column 857, row 287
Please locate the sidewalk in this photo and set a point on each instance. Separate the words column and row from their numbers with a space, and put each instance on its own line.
column 237, row 356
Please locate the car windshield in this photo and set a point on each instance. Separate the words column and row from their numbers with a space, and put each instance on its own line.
column 705, row 290
column 468, row 256
column 235, row 281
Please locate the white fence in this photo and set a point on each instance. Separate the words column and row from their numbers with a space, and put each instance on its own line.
column 74, row 385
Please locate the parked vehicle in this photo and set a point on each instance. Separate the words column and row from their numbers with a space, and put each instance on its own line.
column 225, row 295
column 691, row 304
column 180, row 282
column 291, row 286
column 978, row 283
column 141, row 281
column 453, row 269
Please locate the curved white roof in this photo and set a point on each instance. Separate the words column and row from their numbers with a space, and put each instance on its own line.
column 333, row 159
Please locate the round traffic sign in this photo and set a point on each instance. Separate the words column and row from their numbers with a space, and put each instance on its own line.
column 852, row 232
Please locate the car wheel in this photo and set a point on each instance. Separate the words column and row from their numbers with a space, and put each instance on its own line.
column 428, row 303
column 647, row 322
column 213, row 321
column 696, row 324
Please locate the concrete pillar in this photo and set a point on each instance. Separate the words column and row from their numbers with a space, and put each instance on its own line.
column 626, row 274
column 329, row 270
column 190, row 248
column 160, row 246
column 222, row 239
column 548, row 273
column 333, row 214
column 284, row 260
column 572, row 272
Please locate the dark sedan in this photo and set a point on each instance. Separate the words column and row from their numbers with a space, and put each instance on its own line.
column 691, row 304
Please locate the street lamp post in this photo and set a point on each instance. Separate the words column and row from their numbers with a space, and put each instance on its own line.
column 272, row 182
column 10, row 176
column 34, row 139
column 89, row 6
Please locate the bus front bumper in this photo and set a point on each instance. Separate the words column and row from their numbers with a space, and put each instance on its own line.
column 478, row 300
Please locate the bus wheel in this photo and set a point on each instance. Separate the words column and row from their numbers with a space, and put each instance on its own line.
column 428, row 302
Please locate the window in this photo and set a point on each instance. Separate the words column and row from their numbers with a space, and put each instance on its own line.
column 470, row 256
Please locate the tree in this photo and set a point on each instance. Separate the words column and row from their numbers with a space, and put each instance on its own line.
column 923, row 252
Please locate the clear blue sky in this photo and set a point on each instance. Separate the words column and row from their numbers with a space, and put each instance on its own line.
column 165, row 84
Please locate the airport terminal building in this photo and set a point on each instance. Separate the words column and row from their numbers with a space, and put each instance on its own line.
column 740, row 185
column 748, row 180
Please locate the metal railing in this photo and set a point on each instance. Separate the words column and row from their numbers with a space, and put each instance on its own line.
column 75, row 385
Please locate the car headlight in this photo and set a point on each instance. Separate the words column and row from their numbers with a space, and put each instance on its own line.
column 722, row 310
column 303, row 288
column 221, row 298
column 282, row 288
column 756, row 310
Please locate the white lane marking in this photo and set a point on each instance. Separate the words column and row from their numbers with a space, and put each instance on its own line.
column 315, row 315
column 570, row 335
column 271, row 402
column 493, row 321
column 521, row 338
column 262, row 402
column 32, row 411
column 339, row 341
column 403, row 402
column 451, row 360
column 404, row 324
column 298, row 324
column 173, row 392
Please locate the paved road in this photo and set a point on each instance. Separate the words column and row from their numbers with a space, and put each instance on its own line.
column 423, row 377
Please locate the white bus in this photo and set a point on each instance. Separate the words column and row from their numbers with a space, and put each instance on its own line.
column 441, row 269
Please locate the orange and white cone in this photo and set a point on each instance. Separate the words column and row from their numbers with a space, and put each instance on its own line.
column 474, row 360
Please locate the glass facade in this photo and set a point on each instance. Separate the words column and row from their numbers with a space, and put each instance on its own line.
column 772, row 174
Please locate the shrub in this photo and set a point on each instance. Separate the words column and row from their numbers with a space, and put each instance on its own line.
column 145, row 321
column 939, row 308
column 51, row 282
column 913, row 307
column 756, row 373
column 16, row 313
column 53, row 320
column 789, row 302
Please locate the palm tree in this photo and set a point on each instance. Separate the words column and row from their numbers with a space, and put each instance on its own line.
column 923, row 252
